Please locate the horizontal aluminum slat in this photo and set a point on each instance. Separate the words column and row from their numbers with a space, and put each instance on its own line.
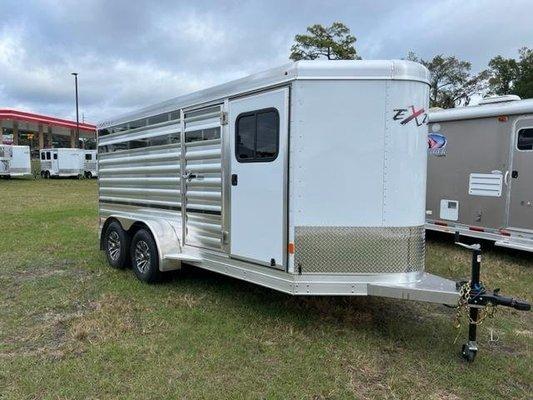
column 141, row 180
column 202, row 207
column 142, row 158
column 207, row 240
column 203, row 154
column 205, row 227
column 198, row 126
column 199, row 195
column 202, row 143
column 214, row 168
column 143, row 202
column 145, row 191
column 141, row 169
column 140, row 134
column 205, row 182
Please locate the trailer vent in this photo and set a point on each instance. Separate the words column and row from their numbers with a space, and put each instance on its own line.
column 485, row 185
column 356, row 250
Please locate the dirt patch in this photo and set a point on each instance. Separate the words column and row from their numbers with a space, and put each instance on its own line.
column 110, row 318
column 367, row 379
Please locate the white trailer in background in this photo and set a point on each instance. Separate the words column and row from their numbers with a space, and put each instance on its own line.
column 15, row 161
column 62, row 162
column 309, row 179
column 90, row 166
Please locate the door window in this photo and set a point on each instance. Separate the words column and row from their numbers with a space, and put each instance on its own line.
column 55, row 156
column 257, row 136
column 48, row 155
column 525, row 139
column 42, row 156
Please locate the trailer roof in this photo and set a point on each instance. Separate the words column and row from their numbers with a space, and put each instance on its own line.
column 482, row 111
column 300, row 70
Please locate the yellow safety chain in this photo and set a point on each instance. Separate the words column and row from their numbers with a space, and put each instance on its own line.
column 462, row 308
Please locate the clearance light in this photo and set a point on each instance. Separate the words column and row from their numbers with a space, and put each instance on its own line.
column 503, row 118
column 290, row 248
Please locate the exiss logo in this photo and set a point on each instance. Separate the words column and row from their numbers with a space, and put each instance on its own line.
column 406, row 115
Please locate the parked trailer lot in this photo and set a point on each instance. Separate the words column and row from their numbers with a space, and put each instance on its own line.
column 71, row 327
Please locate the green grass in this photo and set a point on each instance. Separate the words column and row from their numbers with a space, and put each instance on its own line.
column 72, row 328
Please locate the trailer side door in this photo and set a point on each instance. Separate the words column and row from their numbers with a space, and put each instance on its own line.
column 521, row 177
column 258, row 141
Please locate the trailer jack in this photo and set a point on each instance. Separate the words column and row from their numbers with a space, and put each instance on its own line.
column 476, row 297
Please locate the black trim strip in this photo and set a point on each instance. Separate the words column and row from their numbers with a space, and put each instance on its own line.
column 163, row 207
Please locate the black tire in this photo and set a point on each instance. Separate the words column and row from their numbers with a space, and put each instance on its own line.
column 145, row 257
column 116, row 246
column 468, row 354
column 88, row 175
column 46, row 174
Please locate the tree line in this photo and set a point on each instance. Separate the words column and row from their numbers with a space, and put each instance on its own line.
column 452, row 81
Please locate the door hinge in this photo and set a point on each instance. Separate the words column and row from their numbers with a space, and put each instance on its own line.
column 223, row 118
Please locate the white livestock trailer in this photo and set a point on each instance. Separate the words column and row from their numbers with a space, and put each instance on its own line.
column 62, row 162
column 14, row 161
column 309, row 179
column 90, row 167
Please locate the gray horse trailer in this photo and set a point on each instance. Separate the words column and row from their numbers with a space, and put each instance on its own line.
column 308, row 179
column 480, row 171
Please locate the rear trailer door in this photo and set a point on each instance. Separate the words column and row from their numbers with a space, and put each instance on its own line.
column 258, row 150
column 521, row 177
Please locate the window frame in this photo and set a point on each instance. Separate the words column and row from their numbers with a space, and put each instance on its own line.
column 518, row 138
column 255, row 113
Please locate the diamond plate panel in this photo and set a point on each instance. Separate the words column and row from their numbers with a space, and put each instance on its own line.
column 320, row 249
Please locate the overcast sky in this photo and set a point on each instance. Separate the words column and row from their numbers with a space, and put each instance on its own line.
column 132, row 53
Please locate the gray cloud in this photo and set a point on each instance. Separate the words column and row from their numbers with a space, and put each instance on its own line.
column 133, row 53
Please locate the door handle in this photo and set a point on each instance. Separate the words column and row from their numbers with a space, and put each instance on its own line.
column 506, row 178
column 234, row 179
column 188, row 176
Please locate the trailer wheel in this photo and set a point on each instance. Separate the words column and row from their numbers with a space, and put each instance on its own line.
column 144, row 256
column 468, row 354
column 88, row 175
column 116, row 245
column 46, row 174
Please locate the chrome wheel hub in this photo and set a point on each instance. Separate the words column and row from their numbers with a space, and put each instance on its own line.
column 143, row 257
column 113, row 246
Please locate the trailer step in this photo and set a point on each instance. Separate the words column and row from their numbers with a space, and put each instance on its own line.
column 183, row 257
column 429, row 288
column 514, row 245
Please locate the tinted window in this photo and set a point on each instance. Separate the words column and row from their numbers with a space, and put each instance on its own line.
column 245, row 138
column 48, row 155
column 88, row 157
column 257, row 136
column 525, row 139
column 42, row 156
column 55, row 156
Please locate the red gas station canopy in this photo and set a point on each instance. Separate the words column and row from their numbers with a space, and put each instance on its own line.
column 43, row 119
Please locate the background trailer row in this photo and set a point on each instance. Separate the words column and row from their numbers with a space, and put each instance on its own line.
column 480, row 173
